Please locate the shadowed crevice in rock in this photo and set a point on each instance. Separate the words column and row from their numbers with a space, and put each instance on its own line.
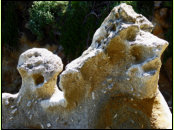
column 38, row 79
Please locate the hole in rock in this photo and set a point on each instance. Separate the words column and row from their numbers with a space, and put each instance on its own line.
column 136, row 51
column 38, row 63
column 113, row 27
column 115, row 49
column 29, row 56
column 36, row 54
column 38, row 79
column 131, row 33
column 30, row 66
column 58, row 79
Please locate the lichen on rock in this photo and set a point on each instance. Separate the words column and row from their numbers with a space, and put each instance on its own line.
column 113, row 84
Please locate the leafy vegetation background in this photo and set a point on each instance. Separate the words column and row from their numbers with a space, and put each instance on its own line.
column 67, row 23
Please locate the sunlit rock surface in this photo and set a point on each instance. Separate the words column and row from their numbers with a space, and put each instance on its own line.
column 113, row 84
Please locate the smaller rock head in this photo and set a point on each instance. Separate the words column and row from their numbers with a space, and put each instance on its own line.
column 39, row 69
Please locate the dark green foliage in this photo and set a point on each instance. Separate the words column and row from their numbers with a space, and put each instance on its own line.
column 73, row 31
column 72, row 24
column 145, row 8
column 80, row 23
column 79, row 26
column 76, row 22
column 10, row 28
column 43, row 16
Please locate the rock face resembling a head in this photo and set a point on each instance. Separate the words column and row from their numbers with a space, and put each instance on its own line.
column 113, row 84
column 39, row 68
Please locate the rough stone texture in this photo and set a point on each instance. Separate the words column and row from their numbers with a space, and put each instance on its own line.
column 113, row 84
column 11, row 79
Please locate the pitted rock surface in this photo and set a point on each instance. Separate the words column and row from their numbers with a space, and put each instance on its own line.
column 113, row 84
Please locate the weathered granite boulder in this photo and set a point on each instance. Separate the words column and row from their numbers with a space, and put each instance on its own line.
column 113, row 84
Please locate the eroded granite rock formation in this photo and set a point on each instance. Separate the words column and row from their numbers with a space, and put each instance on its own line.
column 113, row 84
